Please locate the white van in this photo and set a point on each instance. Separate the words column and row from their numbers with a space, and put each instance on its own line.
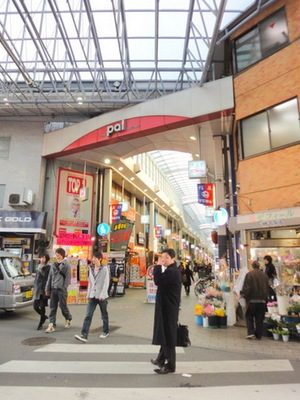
column 16, row 289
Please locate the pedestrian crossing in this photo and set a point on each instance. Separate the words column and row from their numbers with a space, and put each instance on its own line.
column 245, row 392
column 138, row 373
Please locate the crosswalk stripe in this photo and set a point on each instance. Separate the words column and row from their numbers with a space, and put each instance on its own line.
column 248, row 392
column 105, row 348
column 121, row 367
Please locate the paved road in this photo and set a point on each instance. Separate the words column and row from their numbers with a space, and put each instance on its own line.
column 34, row 364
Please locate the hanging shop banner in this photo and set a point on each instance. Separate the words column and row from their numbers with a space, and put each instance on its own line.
column 205, row 194
column 158, row 231
column 116, row 211
column 72, row 214
column 119, row 235
column 197, row 169
column 23, row 221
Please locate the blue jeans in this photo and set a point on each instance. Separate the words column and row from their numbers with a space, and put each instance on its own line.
column 59, row 297
column 92, row 304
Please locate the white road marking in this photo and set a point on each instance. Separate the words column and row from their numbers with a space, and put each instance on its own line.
column 102, row 348
column 121, row 367
column 245, row 392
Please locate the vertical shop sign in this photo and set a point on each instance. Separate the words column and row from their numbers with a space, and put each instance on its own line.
column 158, row 231
column 73, row 215
column 116, row 210
column 205, row 194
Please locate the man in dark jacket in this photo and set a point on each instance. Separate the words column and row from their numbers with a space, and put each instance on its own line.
column 255, row 291
column 167, row 278
column 57, row 288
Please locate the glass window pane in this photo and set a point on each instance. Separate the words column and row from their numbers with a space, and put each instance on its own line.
column 4, row 147
column 273, row 32
column 247, row 49
column 2, row 192
column 284, row 123
column 255, row 135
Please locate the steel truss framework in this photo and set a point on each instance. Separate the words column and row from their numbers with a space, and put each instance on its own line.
column 82, row 58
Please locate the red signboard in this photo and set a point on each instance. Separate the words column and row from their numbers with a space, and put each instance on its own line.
column 74, row 239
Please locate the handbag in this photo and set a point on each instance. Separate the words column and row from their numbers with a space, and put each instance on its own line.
column 183, row 339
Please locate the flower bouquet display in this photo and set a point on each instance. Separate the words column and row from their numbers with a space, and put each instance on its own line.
column 199, row 313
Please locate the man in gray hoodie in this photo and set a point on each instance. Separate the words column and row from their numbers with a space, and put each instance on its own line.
column 97, row 294
column 57, row 288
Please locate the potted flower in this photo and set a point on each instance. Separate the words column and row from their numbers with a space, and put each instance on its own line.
column 294, row 309
column 222, row 317
column 199, row 313
column 276, row 333
column 285, row 335
column 270, row 306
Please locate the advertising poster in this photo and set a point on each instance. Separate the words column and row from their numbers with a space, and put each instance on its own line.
column 119, row 235
column 73, row 215
column 206, row 194
column 150, row 285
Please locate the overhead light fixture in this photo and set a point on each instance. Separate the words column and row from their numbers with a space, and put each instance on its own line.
column 120, row 169
column 107, row 161
column 193, row 138
column 132, row 178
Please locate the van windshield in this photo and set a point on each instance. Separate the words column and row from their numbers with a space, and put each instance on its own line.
column 12, row 266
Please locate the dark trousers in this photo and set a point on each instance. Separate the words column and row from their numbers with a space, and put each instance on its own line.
column 59, row 297
column 167, row 357
column 92, row 304
column 255, row 315
column 40, row 307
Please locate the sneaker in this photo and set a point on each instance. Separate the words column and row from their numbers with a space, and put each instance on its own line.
column 250, row 337
column 50, row 328
column 103, row 335
column 67, row 323
column 81, row 338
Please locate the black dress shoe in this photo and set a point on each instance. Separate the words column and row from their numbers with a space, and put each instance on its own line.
column 154, row 362
column 164, row 371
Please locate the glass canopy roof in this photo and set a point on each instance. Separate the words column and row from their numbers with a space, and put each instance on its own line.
column 86, row 57
column 74, row 59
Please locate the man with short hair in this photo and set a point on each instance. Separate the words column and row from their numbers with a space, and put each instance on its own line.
column 167, row 278
column 255, row 290
column 97, row 295
column 57, row 288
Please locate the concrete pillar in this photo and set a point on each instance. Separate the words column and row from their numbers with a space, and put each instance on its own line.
column 151, row 225
column 220, row 191
column 106, row 196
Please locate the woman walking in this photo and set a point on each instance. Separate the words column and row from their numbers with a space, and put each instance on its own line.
column 39, row 296
column 187, row 278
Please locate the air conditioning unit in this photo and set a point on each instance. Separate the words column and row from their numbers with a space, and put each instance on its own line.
column 14, row 199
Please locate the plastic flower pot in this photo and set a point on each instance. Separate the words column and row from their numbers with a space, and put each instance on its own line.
column 199, row 319
column 222, row 322
column 213, row 321
column 276, row 336
column 205, row 322
column 285, row 338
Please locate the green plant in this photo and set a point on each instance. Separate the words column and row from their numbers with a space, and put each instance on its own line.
column 294, row 308
column 283, row 332
column 275, row 330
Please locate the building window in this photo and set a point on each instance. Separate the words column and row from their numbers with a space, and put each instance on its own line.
column 266, row 38
column 2, row 193
column 4, row 147
column 273, row 128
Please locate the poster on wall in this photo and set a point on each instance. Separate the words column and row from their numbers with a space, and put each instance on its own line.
column 73, row 215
